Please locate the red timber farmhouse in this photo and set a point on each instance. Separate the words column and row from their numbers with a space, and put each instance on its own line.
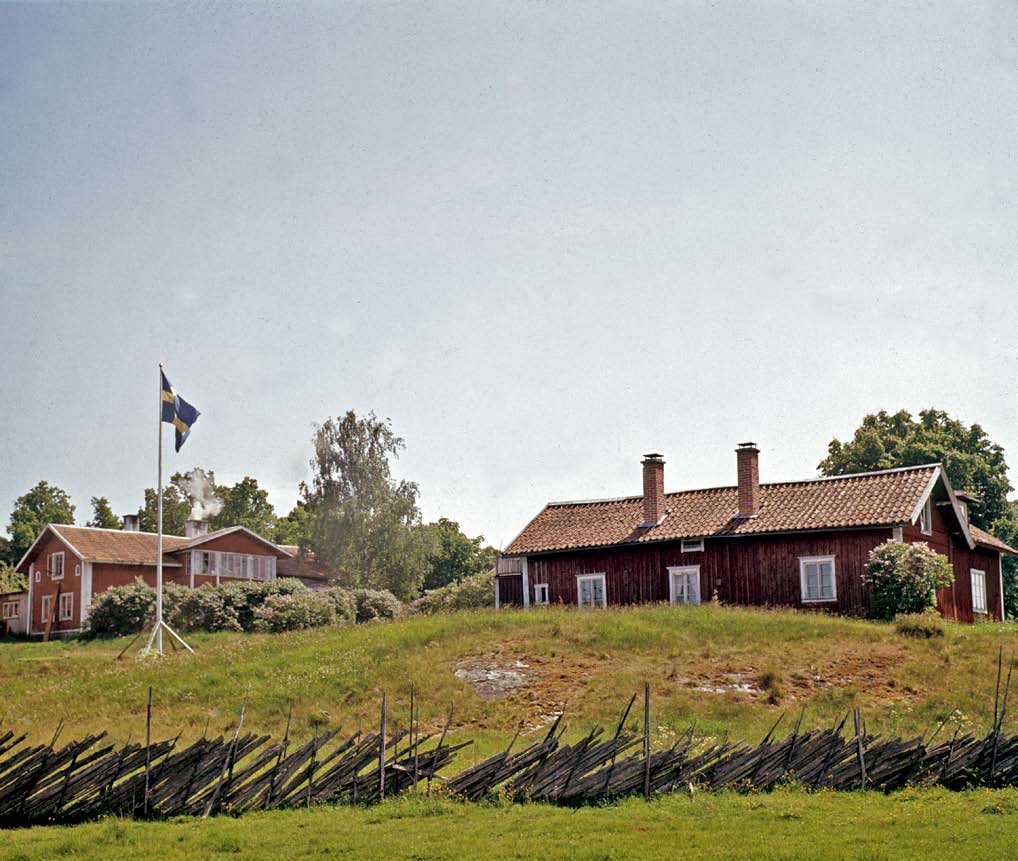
column 68, row 565
column 800, row 543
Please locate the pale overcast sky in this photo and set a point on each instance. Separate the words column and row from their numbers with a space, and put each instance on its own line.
column 542, row 238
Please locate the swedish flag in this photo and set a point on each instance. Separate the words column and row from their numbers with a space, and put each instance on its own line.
column 177, row 412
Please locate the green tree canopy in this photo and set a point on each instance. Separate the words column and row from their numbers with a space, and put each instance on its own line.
column 6, row 554
column 176, row 510
column 295, row 528
column 44, row 503
column 102, row 515
column 363, row 523
column 973, row 462
column 10, row 580
column 245, row 504
column 453, row 556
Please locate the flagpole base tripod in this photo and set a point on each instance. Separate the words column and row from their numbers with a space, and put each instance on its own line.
column 155, row 639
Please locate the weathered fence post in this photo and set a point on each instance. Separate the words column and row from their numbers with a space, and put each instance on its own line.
column 858, row 747
column 381, row 753
column 646, row 741
column 148, row 748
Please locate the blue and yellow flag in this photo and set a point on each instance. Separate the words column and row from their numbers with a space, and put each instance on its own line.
column 177, row 412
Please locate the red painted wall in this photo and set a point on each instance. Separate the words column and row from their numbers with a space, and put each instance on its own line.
column 71, row 583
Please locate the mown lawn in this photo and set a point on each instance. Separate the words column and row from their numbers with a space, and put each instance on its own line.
column 588, row 663
column 789, row 824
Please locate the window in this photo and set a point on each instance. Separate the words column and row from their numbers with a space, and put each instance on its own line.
column 692, row 545
column 541, row 593
column 77, row 570
column 12, row 610
column 47, row 608
column 816, row 574
column 978, row 591
column 590, row 591
column 38, row 576
column 56, row 566
column 925, row 519
column 66, row 606
column 684, row 585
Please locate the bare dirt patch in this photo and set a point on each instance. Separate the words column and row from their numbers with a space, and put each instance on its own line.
column 494, row 679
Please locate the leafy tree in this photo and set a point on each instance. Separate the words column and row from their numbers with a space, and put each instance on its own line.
column 973, row 462
column 10, row 580
column 363, row 523
column 102, row 514
column 44, row 503
column 1006, row 529
column 904, row 578
column 294, row 529
column 453, row 556
column 6, row 555
column 176, row 510
column 245, row 504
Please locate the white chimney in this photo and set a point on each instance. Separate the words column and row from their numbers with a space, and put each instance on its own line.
column 131, row 523
column 194, row 528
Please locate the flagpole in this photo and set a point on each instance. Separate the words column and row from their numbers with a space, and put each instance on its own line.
column 159, row 534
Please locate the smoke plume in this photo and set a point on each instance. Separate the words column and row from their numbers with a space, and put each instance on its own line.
column 199, row 488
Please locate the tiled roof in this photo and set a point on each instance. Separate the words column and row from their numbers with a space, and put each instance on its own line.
column 868, row 499
column 115, row 545
column 987, row 540
column 303, row 565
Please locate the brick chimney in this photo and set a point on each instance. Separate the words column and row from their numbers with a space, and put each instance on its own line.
column 194, row 528
column 653, row 489
column 131, row 523
column 748, row 460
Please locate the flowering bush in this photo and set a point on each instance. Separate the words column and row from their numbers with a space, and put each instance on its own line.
column 344, row 602
column 294, row 611
column 376, row 604
column 206, row 608
column 122, row 609
column 466, row 594
column 904, row 578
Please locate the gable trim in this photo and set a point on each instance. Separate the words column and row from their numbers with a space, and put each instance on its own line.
column 941, row 474
column 222, row 533
column 50, row 527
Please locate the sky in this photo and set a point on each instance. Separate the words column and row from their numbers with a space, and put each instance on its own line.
column 541, row 239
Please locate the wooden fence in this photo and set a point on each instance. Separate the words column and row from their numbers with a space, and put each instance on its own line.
column 86, row 779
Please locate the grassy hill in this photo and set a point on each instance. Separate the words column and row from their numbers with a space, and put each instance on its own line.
column 728, row 669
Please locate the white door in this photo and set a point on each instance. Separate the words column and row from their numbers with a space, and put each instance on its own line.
column 590, row 591
column 684, row 585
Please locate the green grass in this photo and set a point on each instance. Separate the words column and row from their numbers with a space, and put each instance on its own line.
column 587, row 662
column 787, row 824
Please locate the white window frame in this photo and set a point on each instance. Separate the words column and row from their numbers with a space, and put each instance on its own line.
column 77, row 570
column 67, row 616
column 38, row 575
column 807, row 560
column 50, row 565
column 580, row 578
column 692, row 545
column 683, row 571
column 12, row 610
column 926, row 517
column 540, row 593
column 973, row 574
column 47, row 608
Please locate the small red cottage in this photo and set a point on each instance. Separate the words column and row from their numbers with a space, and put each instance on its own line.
column 68, row 565
column 796, row 543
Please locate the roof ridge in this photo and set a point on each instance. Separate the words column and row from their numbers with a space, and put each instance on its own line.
column 845, row 477
column 117, row 531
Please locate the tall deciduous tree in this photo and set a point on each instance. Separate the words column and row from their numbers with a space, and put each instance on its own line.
column 176, row 510
column 364, row 523
column 44, row 503
column 102, row 515
column 453, row 555
column 245, row 504
column 974, row 463
column 295, row 528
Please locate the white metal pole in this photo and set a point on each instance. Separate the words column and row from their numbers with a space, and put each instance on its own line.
column 159, row 534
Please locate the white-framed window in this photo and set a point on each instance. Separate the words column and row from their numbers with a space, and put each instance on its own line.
column 692, row 545
column 541, row 593
column 816, row 575
column 56, row 566
column 978, row 590
column 38, row 576
column 47, row 608
column 66, row 606
column 12, row 610
column 926, row 518
column 77, row 570
column 236, row 565
column 684, row 584
column 590, row 590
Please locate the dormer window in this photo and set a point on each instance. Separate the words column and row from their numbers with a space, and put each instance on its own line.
column 926, row 518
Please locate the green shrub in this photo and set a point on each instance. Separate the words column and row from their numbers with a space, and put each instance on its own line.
column 770, row 682
column 294, row 611
column 344, row 603
column 375, row 604
column 122, row 609
column 904, row 578
column 470, row 593
column 927, row 625
column 206, row 608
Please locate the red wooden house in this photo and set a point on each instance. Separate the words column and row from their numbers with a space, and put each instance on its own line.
column 799, row 543
column 68, row 565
